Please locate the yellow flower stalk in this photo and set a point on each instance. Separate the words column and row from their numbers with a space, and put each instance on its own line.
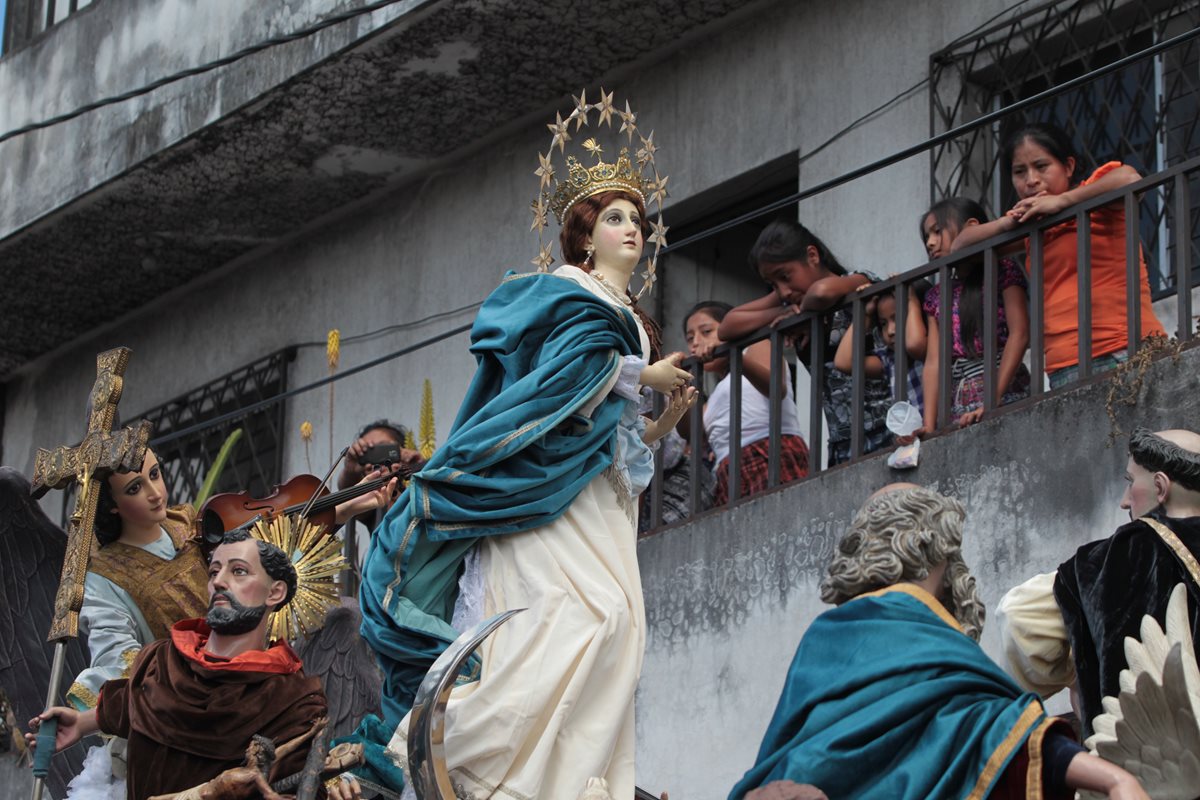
column 333, row 348
column 333, row 352
column 306, row 433
column 428, row 436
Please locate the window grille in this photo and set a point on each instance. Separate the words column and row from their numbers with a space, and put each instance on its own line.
column 24, row 20
column 1145, row 115
column 256, row 464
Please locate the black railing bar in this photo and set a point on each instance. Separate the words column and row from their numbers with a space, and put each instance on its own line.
column 1083, row 304
column 945, row 347
column 775, row 404
column 734, row 476
column 900, row 346
column 1183, row 252
column 1035, row 265
column 858, row 376
column 933, row 141
column 988, row 334
column 346, row 373
column 816, row 407
column 1133, row 274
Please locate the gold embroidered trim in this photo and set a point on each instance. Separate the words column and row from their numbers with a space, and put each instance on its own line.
column 1033, row 776
column 127, row 658
column 507, row 440
column 84, row 695
column 397, row 568
column 1172, row 541
column 1001, row 754
column 490, row 788
column 912, row 590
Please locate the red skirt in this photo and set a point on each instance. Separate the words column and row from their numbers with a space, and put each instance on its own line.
column 793, row 465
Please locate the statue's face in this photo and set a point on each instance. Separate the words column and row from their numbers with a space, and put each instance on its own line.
column 239, row 589
column 140, row 497
column 1142, row 492
column 617, row 235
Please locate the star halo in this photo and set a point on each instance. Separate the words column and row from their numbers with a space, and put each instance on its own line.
column 645, row 161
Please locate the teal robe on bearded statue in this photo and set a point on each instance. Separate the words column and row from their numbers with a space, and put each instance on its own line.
column 518, row 454
column 887, row 698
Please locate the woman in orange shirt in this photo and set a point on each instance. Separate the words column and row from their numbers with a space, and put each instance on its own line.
column 1045, row 172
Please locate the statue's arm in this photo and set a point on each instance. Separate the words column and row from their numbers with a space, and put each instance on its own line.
column 1037, row 649
column 114, row 636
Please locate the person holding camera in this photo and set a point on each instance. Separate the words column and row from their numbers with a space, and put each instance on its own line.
column 378, row 444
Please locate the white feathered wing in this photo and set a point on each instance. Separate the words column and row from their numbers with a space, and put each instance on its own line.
column 1152, row 728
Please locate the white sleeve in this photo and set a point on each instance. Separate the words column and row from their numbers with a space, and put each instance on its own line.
column 1037, row 649
column 115, row 632
column 628, row 379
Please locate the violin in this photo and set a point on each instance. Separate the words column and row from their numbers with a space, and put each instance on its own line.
column 231, row 511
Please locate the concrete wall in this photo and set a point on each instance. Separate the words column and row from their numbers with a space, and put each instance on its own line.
column 729, row 595
column 443, row 244
column 111, row 47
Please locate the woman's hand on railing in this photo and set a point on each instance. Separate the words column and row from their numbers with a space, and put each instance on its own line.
column 680, row 401
column 664, row 376
column 1043, row 204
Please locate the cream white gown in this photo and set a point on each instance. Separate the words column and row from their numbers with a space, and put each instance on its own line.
column 553, row 706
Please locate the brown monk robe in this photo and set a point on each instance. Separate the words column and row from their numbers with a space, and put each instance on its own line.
column 189, row 715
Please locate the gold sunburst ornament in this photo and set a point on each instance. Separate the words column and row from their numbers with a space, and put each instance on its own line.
column 636, row 175
column 317, row 559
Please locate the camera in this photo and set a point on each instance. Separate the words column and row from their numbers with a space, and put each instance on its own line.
column 381, row 455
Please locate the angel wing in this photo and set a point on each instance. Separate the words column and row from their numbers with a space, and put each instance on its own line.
column 31, row 558
column 347, row 669
column 1152, row 728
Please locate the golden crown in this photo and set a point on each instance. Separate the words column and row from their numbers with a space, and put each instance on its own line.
column 584, row 181
column 636, row 174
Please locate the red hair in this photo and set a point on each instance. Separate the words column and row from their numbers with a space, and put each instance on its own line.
column 581, row 221
column 577, row 229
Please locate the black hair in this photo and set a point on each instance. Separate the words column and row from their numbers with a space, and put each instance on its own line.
column 1155, row 454
column 787, row 240
column 956, row 211
column 275, row 562
column 396, row 428
column 715, row 308
column 108, row 521
column 1053, row 139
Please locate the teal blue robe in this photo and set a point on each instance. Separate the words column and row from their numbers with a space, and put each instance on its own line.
column 887, row 698
column 515, row 458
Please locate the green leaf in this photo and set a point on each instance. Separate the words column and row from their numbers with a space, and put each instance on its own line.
column 218, row 466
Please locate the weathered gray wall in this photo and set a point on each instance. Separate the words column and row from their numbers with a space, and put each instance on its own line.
column 775, row 84
column 112, row 47
column 729, row 595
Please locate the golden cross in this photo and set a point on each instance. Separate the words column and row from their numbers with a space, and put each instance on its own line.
column 101, row 452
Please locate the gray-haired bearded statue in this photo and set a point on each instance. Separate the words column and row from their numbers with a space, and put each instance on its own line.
column 889, row 694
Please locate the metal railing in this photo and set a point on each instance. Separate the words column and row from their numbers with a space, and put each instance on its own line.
column 1172, row 183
